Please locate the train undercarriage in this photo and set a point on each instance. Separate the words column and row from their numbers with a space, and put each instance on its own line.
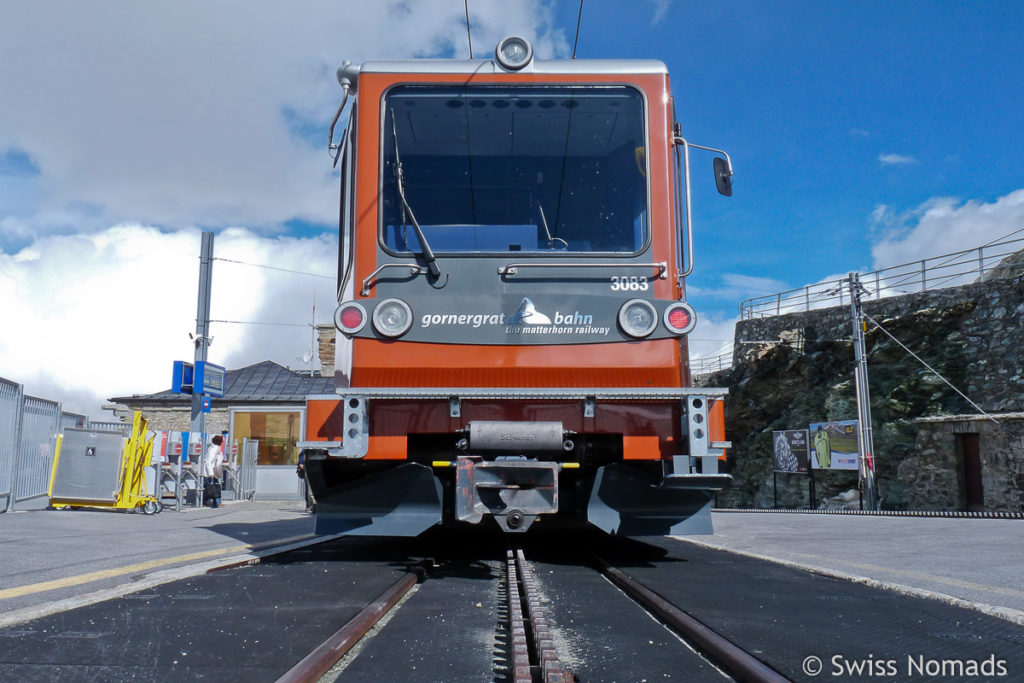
column 411, row 459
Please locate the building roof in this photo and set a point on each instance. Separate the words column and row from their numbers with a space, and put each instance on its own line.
column 264, row 381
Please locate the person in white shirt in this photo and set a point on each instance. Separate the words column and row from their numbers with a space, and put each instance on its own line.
column 212, row 462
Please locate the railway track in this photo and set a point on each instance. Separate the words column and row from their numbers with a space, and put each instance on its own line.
column 532, row 654
column 468, row 608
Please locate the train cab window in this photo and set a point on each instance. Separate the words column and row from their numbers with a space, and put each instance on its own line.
column 542, row 169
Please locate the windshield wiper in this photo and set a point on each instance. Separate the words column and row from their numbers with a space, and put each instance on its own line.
column 428, row 254
column 544, row 223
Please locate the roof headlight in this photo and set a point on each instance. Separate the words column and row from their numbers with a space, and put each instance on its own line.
column 638, row 318
column 680, row 318
column 513, row 53
column 392, row 317
column 350, row 317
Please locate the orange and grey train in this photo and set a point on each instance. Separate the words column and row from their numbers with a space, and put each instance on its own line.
column 515, row 236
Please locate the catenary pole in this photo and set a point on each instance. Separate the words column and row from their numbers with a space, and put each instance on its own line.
column 865, row 437
column 202, row 337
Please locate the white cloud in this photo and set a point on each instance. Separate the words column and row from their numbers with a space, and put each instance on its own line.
column 183, row 114
column 186, row 113
column 946, row 225
column 896, row 159
column 105, row 314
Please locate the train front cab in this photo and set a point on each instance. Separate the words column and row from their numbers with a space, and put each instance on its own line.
column 514, row 243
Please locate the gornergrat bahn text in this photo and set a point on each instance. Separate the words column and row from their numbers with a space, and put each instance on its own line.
column 515, row 238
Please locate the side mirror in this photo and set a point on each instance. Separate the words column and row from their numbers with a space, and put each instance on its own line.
column 723, row 176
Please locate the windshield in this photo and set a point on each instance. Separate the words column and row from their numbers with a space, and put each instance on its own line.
column 514, row 168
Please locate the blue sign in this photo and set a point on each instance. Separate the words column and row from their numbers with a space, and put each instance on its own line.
column 209, row 379
column 206, row 404
column 182, row 380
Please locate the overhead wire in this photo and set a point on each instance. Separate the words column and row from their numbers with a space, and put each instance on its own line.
column 283, row 270
column 260, row 265
column 253, row 322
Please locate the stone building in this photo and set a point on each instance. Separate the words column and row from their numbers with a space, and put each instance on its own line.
column 264, row 402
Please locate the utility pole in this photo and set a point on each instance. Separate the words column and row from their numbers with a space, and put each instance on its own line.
column 202, row 337
column 865, row 439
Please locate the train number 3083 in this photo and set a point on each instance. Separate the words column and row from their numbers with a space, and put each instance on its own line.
column 629, row 284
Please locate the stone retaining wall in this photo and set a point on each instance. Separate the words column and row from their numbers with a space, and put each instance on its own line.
column 973, row 335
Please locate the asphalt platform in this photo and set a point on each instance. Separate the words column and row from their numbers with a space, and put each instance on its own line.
column 52, row 561
column 971, row 562
column 55, row 560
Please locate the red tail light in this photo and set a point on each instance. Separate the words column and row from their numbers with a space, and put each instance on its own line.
column 680, row 318
column 350, row 317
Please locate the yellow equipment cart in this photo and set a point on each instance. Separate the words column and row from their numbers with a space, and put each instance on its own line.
column 103, row 470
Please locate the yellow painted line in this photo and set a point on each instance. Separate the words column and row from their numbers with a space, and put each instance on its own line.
column 959, row 583
column 111, row 573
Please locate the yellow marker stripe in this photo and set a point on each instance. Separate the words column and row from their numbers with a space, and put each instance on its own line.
column 441, row 463
column 570, row 465
column 111, row 573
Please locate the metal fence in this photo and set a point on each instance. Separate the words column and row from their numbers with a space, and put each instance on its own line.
column 949, row 270
column 73, row 420
column 40, row 425
column 11, row 401
column 29, row 427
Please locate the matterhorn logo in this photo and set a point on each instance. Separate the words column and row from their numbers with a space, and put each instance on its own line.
column 528, row 315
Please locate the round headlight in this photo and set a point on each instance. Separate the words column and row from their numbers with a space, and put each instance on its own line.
column 638, row 318
column 392, row 317
column 680, row 318
column 350, row 317
column 514, row 53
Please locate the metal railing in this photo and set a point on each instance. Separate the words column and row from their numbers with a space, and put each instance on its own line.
column 949, row 270
column 707, row 365
column 247, row 468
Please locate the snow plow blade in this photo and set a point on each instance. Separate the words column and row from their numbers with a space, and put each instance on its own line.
column 404, row 501
column 625, row 502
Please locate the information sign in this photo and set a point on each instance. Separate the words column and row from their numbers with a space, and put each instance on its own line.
column 209, row 379
column 834, row 445
column 181, row 381
column 790, row 451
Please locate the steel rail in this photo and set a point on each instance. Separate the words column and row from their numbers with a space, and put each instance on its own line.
column 318, row 662
column 735, row 660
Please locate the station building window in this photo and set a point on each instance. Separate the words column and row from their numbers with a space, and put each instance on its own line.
column 277, row 431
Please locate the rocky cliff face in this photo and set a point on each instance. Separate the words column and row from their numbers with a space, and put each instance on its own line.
column 973, row 335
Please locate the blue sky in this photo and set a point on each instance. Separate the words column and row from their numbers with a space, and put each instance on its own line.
column 863, row 134
column 831, row 110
